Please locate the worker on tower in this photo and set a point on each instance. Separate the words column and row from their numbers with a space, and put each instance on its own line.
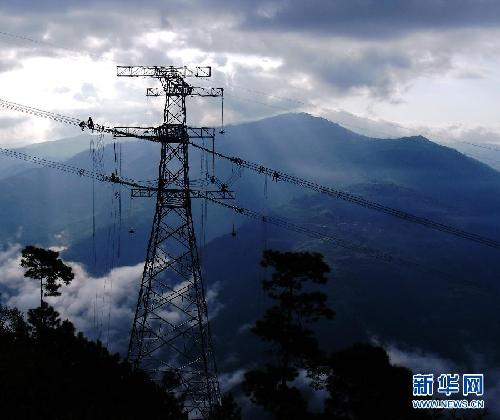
column 114, row 178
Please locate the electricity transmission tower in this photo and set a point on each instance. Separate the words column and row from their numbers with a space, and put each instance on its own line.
column 171, row 329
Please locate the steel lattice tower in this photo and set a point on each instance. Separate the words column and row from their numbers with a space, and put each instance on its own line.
column 171, row 328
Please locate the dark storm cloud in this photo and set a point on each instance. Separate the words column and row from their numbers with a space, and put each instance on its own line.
column 354, row 18
column 45, row 27
column 360, row 18
column 379, row 69
column 369, row 69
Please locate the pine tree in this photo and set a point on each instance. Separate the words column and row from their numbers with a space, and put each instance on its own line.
column 286, row 326
column 45, row 266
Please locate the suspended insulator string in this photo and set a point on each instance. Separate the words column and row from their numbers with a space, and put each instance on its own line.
column 94, row 250
column 97, row 157
column 119, row 220
column 112, row 229
column 222, row 114
column 345, row 196
column 202, row 154
column 114, row 232
column 118, row 165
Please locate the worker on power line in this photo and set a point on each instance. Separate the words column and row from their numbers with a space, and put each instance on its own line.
column 90, row 123
column 114, row 178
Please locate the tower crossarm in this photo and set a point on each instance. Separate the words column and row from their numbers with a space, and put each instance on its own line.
column 193, row 91
column 166, row 133
column 208, row 194
column 160, row 72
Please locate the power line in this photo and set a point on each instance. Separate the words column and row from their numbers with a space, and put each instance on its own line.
column 323, row 237
column 276, row 175
column 268, row 219
column 482, row 146
column 51, row 164
column 73, row 169
column 246, row 212
column 285, row 224
column 345, row 196
column 39, row 112
column 49, row 44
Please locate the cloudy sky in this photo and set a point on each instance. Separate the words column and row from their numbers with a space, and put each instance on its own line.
column 384, row 67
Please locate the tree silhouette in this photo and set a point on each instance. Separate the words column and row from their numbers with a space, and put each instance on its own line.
column 67, row 377
column 362, row 384
column 285, row 326
column 42, row 319
column 170, row 384
column 228, row 410
column 12, row 322
column 45, row 266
